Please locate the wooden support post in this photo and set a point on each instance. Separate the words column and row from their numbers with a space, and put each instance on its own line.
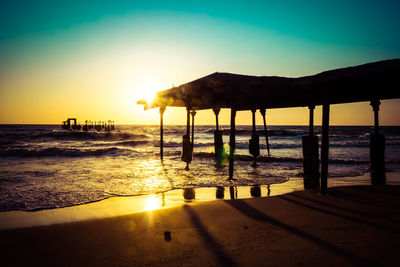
column 253, row 117
column 188, row 121
column 187, row 130
column 325, row 149
column 216, row 112
column 311, row 126
column 193, row 113
column 218, row 143
column 162, row 110
column 377, row 149
column 310, row 156
column 187, row 145
column 375, row 107
column 254, row 143
column 263, row 113
column 232, row 143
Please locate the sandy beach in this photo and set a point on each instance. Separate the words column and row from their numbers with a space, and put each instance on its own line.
column 352, row 225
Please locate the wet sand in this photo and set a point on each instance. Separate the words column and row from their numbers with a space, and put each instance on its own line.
column 352, row 225
column 116, row 206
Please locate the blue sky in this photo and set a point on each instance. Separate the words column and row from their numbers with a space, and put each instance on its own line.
column 62, row 45
column 370, row 23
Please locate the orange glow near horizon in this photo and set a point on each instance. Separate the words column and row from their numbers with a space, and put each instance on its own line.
column 95, row 90
column 90, row 92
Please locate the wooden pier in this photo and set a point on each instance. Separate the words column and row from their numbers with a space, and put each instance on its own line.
column 369, row 82
column 89, row 125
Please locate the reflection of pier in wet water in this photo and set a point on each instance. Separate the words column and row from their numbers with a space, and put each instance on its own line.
column 369, row 82
column 200, row 194
column 227, row 192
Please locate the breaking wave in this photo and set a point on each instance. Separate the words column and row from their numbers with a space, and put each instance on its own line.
column 62, row 152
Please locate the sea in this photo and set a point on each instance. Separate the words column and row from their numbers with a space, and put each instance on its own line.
column 44, row 166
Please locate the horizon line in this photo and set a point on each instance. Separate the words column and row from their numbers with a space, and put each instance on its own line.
column 133, row 124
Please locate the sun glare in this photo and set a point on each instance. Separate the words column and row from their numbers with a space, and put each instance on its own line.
column 149, row 96
column 153, row 202
column 148, row 88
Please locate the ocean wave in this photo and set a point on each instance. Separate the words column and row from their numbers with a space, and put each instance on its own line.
column 168, row 144
column 130, row 143
column 248, row 132
column 92, row 135
column 48, row 200
column 292, row 145
column 348, row 144
column 179, row 144
column 288, row 159
column 62, row 152
column 250, row 158
column 348, row 161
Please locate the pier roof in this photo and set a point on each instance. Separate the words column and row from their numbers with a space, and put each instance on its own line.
column 377, row 80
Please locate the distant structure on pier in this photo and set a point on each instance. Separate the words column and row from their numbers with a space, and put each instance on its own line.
column 89, row 125
column 369, row 82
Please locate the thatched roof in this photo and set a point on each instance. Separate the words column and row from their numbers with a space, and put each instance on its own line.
column 378, row 80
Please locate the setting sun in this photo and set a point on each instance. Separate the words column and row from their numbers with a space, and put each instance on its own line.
column 149, row 89
column 147, row 85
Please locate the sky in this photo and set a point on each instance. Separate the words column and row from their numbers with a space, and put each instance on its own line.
column 95, row 59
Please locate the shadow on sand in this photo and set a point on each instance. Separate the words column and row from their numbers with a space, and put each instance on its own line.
column 220, row 254
column 255, row 214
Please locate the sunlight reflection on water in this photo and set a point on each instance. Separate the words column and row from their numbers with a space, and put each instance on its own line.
column 43, row 167
column 153, row 202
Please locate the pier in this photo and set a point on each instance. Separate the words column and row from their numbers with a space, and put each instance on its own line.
column 369, row 82
column 106, row 126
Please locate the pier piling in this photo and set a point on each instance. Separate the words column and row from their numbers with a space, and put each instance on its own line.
column 232, row 143
column 325, row 149
column 193, row 113
column 218, row 143
column 311, row 156
column 254, row 143
column 187, row 145
column 263, row 113
column 377, row 149
column 162, row 110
